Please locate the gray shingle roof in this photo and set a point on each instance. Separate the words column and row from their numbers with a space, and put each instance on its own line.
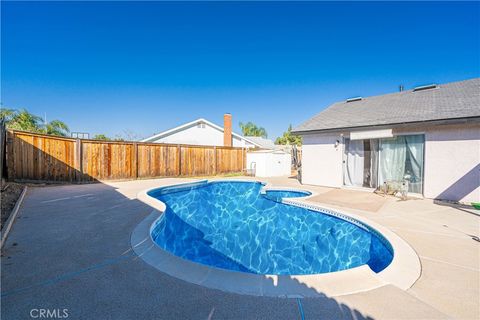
column 446, row 101
column 262, row 142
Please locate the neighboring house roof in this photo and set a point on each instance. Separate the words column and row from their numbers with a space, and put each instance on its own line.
column 262, row 142
column 190, row 124
column 456, row 100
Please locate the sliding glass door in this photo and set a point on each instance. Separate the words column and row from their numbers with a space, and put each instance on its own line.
column 361, row 163
column 401, row 158
column 371, row 162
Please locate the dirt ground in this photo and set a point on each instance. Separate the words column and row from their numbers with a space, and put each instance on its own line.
column 9, row 195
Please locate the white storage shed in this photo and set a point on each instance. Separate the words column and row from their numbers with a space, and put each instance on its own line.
column 269, row 163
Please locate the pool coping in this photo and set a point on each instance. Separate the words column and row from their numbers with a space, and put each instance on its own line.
column 402, row 272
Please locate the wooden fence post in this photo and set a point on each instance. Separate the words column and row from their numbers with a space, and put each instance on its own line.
column 78, row 160
column 215, row 160
column 179, row 156
column 11, row 156
column 135, row 160
column 3, row 150
column 244, row 160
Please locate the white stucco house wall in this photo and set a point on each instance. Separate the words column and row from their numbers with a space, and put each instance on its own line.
column 203, row 132
column 429, row 136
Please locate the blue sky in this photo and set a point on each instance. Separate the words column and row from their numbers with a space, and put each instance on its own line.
column 106, row 67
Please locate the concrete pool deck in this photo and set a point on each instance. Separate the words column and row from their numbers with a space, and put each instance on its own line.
column 70, row 249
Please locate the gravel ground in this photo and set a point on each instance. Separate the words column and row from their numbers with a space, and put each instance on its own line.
column 9, row 195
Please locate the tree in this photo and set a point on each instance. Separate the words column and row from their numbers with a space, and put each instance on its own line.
column 56, row 127
column 127, row 135
column 250, row 129
column 289, row 138
column 101, row 137
column 21, row 120
column 7, row 114
column 26, row 121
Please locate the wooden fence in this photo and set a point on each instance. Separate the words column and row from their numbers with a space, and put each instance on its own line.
column 3, row 149
column 37, row 157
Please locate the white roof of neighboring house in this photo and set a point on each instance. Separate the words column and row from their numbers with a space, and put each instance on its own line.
column 275, row 151
column 262, row 142
column 190, row 124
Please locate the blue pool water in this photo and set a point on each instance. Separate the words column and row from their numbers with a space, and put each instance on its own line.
column 278, row 195
column 232, row 225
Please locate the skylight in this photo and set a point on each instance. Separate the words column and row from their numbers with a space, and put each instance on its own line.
column 426, row 87
column 354, row 99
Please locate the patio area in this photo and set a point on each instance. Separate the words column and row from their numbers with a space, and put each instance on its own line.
column 70, row 249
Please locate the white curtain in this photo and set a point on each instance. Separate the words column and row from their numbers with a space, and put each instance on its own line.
column 414, row 149
column 392, row 160
column 374, row 144
column 402, row 158
column 353, row 173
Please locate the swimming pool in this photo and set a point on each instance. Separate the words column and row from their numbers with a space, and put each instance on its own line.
column 236, row 226
column 278, row 195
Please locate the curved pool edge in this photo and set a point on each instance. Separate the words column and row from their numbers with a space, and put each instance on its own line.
column 402, row 272
column 405, row 267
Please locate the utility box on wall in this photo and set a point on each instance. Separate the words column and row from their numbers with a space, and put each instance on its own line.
column 269, row 163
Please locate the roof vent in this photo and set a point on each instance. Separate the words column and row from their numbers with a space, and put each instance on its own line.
column 428, row 86
column 354, row 99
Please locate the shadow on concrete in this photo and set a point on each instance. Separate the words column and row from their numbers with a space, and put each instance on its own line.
column 461, row 207
column 70, row 248
column 463, row 186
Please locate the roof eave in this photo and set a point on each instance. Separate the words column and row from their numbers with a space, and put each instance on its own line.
column 390, row 125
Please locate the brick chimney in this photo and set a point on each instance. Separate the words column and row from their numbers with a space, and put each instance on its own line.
column 227, row 130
